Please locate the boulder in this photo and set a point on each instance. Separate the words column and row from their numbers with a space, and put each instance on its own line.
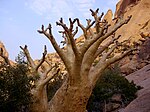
column 142, row 102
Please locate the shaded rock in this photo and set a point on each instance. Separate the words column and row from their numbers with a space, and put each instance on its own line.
column 142, row 102
column 116, row 97
column 144, row 52
column 112, row 107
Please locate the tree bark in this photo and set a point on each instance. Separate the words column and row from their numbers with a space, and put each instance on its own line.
column 70, row 98
column 40, row 101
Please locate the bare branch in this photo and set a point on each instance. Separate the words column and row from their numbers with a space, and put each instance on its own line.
column 99, row 36
column 101, row 49
column 42, row 60
column 97, row 19
column 49, row 35
column 75, row 32
column 69, row 35
column 89, row 24
column 27, row 54
column 71, row 24
column 116, row 58
column 51, row 76
column 47, row 71
column 60, row 23
column 102, row 65
column 82, row 27
column 100, row 17
column 105, row 56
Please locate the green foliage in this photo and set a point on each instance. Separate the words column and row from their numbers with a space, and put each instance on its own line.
column 110, row 83
column 14, row 88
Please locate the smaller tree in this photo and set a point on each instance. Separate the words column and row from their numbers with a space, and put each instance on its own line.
column 14, row 87
column 40, row 76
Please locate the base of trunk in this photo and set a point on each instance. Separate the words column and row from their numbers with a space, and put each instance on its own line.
column 70, row 99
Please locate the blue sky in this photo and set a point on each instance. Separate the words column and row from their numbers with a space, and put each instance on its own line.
column 20, row 20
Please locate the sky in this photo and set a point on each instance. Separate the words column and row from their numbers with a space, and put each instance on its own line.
column 20, row 20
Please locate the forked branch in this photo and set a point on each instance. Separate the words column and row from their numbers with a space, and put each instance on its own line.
column 49, row 35
column 101, row 38
column 27, row 54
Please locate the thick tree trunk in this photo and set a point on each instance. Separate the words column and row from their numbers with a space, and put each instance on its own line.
column 71, row 98
column 40, row 101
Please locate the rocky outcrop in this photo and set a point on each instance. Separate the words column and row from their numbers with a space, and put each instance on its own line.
column 138, row 61
column 123, row 5
column 108, row 16
column 3, row 51
column 4, row 55
column 137, row 29
column 140, row 21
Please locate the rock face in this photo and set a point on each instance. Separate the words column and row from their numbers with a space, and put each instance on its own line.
column 140, row 21
column 142, row 102
column 137, row 28
column 108, row 16
column 123, row 5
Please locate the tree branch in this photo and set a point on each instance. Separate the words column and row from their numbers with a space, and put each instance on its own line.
column 101, row 49
column 83, row 28
column 42, row 60
column 27, row 54
column 116, row 58
column 105, row 56
column 51, row 76
column 99, row 36
column 49, row 35
column 70, row 35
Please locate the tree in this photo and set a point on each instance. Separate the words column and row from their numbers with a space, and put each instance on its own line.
column 14, row 87
column 40, row 77
column 37, row 75
column 82, row 73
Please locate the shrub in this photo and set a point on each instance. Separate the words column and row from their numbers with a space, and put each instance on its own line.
column 14, row 88
column 111, row 82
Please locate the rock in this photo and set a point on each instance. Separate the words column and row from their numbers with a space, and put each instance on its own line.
column 116, row 98
column 112, row 107
column 144, row 52
column 5, row 53
column 142, row 102
column 108, row 16
column 129, row 67
column 4, row 49
column 138, row 24
column 123, row 5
